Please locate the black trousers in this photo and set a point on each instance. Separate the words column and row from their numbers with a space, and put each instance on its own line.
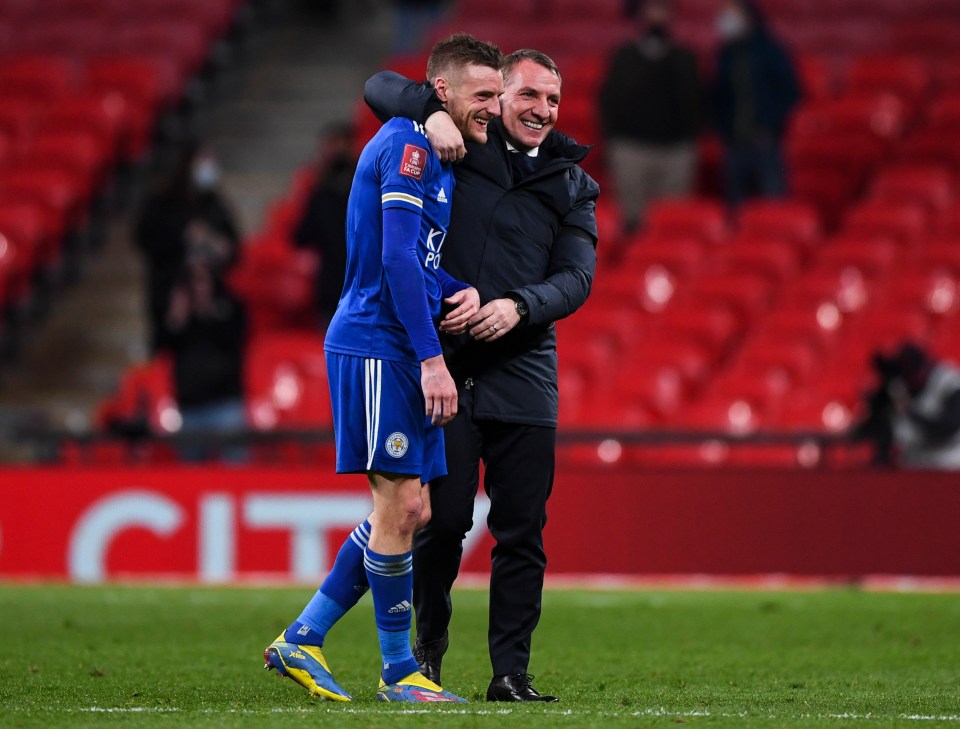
column 518, row 477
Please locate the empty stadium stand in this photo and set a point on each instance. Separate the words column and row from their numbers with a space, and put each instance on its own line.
column 726, row 324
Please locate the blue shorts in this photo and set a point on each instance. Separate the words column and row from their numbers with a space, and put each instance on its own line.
column 379, row 418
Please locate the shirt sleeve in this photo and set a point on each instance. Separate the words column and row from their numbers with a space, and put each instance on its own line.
column 403, row 167
column 404, row 274
column 448, row 284
column 388, row 94
column 573, row 259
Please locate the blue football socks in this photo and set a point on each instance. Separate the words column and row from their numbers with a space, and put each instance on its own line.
column 391, row 582
column 340, row 591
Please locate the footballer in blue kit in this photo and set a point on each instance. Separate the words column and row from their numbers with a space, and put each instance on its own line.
column 390, row 388
column 384, row 326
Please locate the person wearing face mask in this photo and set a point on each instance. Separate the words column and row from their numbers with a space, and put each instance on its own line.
column 650, row 113
column 185, row 211
column 755, row 90
column 524, row 222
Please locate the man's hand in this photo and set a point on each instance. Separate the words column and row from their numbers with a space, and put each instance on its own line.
column 444, row 137
column 494, row 319
column 466, row 303
column 439, row 390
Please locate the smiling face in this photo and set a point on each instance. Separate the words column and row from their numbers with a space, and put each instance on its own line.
column 471, row 96
column 530, row 101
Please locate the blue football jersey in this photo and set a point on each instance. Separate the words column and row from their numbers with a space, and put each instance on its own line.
column 397, row 168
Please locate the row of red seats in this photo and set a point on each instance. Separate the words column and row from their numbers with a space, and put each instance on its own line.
column 726, row 309
column 612, row 10
column 284, row 379
column 83, row 84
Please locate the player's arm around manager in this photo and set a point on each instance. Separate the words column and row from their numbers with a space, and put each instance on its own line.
column 525, row 238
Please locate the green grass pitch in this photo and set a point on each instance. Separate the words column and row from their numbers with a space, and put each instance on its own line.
column 175, row 657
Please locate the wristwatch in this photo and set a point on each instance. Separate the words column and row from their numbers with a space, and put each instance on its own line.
column 522, row 309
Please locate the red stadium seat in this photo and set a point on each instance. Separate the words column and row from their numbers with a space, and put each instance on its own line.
column 703, row 219
column 19, row 119
column 23, row 226
column 567, row 11
column 146, row 392
column 54, row 189
column 103, row 115
column 682, row 256
column 814, row 410
column 873, row 257
column 775, row 259
column 883, row 116
column 43, row 78
column 690, row 359
column 784, row 365
column 646, row 290
column 76, row 37
column 181, row 42
column 824, row 191
column 213, row 16
column 744, row 293
column 653, row 389
column 941, row 254
column 474, row 10
column 79, row 152
column 109, row 10
column 819, row 324
column 907, row 77
column 795, row 221
column 286, row 382
column 936, row 293
column 147, row 86
column 845, row 288
column 817, row 77
column 906, row 222
column 930, row 147
column 277, row 283
column 943, row 114
column 933, row 38
column 600, row 334
column 946, row 344
column 714, row 327
column 882, row 328
column 726, row 414
column 929, row 185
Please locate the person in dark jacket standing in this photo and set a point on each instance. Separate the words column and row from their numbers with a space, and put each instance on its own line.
column 650, row 104
column 322, row 225
column 523, row 231
column 206, row 333
column 187, row 211
column 756, row 89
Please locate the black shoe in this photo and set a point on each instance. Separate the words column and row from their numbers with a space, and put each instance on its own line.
column 429, row 656
column 515, row 688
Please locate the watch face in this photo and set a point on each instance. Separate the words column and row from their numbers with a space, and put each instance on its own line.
column 522, row 309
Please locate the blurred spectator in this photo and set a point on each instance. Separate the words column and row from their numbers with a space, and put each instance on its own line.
column 650, row 113
column 413, row 20
column 322, row 228
column 186, row 210
column 205, row 331
column 914, row 415
column 756, row 88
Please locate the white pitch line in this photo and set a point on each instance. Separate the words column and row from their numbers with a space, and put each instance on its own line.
column 661, row 712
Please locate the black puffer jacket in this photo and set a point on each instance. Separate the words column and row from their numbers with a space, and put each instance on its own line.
column 536, row 240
